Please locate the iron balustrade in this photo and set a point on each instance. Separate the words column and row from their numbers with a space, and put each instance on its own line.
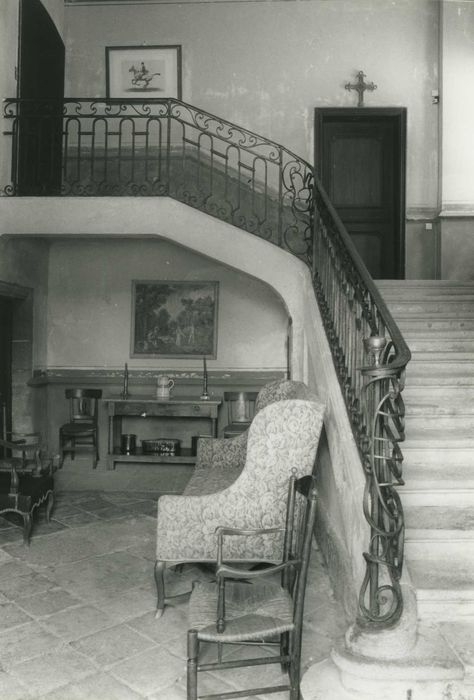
column 161, row 147
column 169, row 148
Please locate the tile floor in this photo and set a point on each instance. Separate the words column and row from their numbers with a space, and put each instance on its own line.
column 77, row 608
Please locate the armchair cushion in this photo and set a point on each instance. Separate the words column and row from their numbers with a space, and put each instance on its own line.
column 220, row 461
column 282, row 439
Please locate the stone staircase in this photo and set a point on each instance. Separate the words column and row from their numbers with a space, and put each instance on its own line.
column 437, row 321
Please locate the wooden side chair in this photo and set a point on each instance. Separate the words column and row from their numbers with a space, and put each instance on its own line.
column 82, row 429
column 259, row 606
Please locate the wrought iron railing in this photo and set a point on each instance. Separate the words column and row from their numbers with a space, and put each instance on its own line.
column 166, row 147
column 161, row 147
column 370, row 356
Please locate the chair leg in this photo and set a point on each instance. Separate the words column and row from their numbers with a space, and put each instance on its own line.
column 284, row 650
column 49, row 506
column 95, row 439
column 27, row 523
column 160, row 588
column 192, row 665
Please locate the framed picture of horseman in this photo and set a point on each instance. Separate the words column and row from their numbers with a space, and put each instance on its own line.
column 144, row 72
column 174, row 319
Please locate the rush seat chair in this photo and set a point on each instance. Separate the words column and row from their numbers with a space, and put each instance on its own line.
column 82, row 429
column 258, row 608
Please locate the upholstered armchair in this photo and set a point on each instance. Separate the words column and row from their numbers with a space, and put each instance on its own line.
column 282, row 440
column 219, row 461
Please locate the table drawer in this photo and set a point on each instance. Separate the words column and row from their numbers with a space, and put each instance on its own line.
column 132, row 408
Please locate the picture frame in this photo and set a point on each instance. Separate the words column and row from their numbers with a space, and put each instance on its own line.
column 174, row 319
column 143, row 72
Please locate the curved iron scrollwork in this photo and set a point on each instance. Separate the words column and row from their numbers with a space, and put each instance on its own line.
column 370, row 356
column 162, row 148
column 169, row 148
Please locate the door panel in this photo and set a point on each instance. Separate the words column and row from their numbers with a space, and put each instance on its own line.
column 41, row 77
column 360, row 158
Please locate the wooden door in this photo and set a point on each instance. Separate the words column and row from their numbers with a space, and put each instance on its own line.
column 360, row 159
column 6, row 306
column 41, row 83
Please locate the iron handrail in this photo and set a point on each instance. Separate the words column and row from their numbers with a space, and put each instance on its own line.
column 169, row 148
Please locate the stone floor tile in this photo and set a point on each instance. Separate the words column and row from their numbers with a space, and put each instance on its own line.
column 48, row 602
column 9, row 535
column 129, row 604
column 100, row 686
column 151, row 671
column 66, row 546
column 5, row 558
column 80, row 518
column 113, row 644
column 21, row 586
column 125, row 532
column 50, row 671
column 11, row 568
column 12, row 689
column 26, row 642
column 171, row 625
column 11, row 616
column 109, row 573
column 74, row 623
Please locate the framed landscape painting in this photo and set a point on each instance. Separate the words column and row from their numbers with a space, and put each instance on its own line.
column 174, row 319
column 143, row 72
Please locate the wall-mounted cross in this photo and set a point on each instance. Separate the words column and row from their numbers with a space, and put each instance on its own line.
column 361, row 87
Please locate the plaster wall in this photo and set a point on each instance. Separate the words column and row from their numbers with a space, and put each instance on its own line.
column 25, row 263
column 8, row 62
column 266, row 66
column 89, row 309
column 458, row 107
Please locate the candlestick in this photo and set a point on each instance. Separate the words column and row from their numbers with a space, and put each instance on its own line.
column 125, row 393
column 204, row 395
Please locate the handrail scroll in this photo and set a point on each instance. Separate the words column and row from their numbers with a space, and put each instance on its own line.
column 370, row 357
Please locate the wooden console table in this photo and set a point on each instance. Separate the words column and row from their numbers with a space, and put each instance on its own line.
column 150, row 407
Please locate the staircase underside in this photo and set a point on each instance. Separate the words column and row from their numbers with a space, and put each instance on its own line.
column 437, row 321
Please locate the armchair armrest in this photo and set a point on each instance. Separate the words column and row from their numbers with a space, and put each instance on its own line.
column 221, row 532
column 229, row 572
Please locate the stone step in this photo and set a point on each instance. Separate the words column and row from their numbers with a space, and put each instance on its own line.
column 437, row 406
column 436, row 344
column 435, row 357
column 436, row 324
column 438, row 454
column 452, row 426
column 434, row 476
column 449, row 393
column 413, row 287
column 460, row 497
column 444, row 588
column 441, row 372
column 461, row 305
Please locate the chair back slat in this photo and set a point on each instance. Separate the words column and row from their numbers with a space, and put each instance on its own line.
column 83, row 405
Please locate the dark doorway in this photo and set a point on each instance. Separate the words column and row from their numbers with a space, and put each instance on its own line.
column 6, row 319
column 360, row 159
column 41, row 89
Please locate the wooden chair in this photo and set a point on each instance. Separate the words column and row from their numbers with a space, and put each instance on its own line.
column 241, row 410
column 254, row 607
column 82, row 428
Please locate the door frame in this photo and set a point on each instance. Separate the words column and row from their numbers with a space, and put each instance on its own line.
column 398, row 115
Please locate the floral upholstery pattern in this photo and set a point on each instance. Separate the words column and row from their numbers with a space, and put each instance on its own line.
column 282, row 437
column 219, row 461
